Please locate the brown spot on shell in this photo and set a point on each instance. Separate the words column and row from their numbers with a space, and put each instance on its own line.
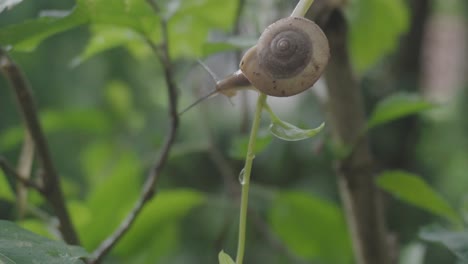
column 283, row 92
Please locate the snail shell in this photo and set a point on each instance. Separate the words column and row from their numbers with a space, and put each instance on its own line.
column 289, row 57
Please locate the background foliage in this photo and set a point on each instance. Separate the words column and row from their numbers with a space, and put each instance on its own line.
column 100, row 91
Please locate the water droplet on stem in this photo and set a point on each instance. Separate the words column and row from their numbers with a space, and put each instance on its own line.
column 241, row 176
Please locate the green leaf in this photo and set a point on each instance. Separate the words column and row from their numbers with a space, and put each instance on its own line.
column 457, row 242
column 240, row 145
column 164, row 241
column 397, row 106
column 90, row 121
column 112, row 194
column 5, row 260
column 190, row 24
column 106, row 37
column 167, row 208
column 376, row 27
column 225, row 258
column 119, row 97
column 286, row 131
column 37, row 226
column 5, row 190
column 415, row 191
column 232, row 43
column 289, row 132
column 311, row 227
column 134, row 14
column 21, row 246
column 8, row 4
column 27, row 35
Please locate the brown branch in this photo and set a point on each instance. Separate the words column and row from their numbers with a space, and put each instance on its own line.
column 11, row 172
column 151, row 181
column 52, row 190
column 360, row 197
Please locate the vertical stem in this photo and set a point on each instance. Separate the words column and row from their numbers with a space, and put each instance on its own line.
column 346, row 116
column 301, row 8
column 246, row 178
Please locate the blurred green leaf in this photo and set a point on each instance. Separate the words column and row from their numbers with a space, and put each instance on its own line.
column 457, row 242
column 190, row 25
column 5, row 260
column 22, row 246
column 111, row 196
column 225, row 258
column 163, row 243
column 134, row 14
column 376, row 27
column 116, row 23
column 96, row 160
column 239, row 146
column 397, row 106
column 5, row 190
column 27, row 35
column 231, row 43
column 312, row 228
column 11, row 137
column 83, row 120
column 415, row 191
column 119, row 97
column 90, row 121
column 8, row 4
column 167, row 208
column 80, row 213
column 106, row 37
column 36, row 226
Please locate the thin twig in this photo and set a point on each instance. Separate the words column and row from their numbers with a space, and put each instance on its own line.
column 24, row 167
column 11, row 172
column 52, row 190
column 151, row 181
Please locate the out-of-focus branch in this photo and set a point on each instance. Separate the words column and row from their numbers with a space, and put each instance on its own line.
column 25, row 163
column 11, row 172
column 51, row 180
column 149, row 187
column 345, row 109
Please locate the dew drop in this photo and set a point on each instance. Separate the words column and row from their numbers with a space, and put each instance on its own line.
column 241, row 176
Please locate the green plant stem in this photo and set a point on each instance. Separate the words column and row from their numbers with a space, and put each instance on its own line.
column 301, row 8
column 246, row 177
column 274, row 118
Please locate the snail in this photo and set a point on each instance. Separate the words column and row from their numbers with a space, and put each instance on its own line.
column 288, row 59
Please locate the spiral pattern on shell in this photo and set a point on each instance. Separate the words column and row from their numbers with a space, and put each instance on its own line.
column 286, row 53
